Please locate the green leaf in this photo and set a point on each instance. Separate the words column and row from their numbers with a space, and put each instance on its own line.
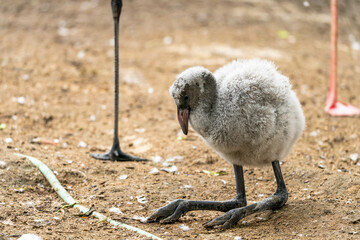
column 283, row 34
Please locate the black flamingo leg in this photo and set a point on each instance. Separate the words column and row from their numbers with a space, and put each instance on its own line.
column 115, row 153
column 175, row 209
column 273, row 202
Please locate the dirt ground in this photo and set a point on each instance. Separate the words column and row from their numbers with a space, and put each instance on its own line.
column 56, row 83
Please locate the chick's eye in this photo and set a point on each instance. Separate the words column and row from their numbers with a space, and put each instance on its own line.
column 186, row 98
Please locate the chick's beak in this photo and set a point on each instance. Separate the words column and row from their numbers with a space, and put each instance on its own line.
column 183, row 117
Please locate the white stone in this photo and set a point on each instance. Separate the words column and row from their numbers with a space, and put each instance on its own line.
column 92, row 118
column 150, row 90
column 167, row 40
column 170, row 169
column 25, row 77
column 81, row 54
column 184, row 227
column 355, row 46
column 21, row 100
column 314, row 133
column 154, row 171
column 2, row 164
column 30, row 236
column 115, row 210
column 354, row 156
column 123, row 177
column 82, row 144
column 63, row 31
column 141, row 199
column 139, row 130
column 141, row 219
column 156, row 159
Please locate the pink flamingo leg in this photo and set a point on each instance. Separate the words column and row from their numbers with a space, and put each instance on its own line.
column 333, row 106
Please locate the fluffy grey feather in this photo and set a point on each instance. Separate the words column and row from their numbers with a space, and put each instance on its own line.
column 245, row 111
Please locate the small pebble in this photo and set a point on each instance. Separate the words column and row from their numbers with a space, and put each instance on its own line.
column 355, row 46
column 156, row 159
column 30, row 236
column 8, row 140
column 141, row 199
column 63, row 31
column 354, row 156
column 167, row 40
column 139, row 218
column 2, row 164
column 314, row 133
column 115, row 210
column 82, row 144
column 150, row 90
column 306, row 4
column 184, row 227
column 123, row 177
column 81, row 54
column 21, row 100
column 25, row 77
column 170, row 169
column 8, row 222
column 237, row 238
column 154, row 171
column 92, row 118
column 321, row 166
column 139, row 130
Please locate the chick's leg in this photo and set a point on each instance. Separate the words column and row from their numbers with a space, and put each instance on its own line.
column 273, row 202
column 175, row 209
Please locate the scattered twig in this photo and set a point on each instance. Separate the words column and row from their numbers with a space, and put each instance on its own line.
column 71, row 201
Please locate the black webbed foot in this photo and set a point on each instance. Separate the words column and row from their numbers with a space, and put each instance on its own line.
column 175, row 209
column 115, row 154
column 232, row 217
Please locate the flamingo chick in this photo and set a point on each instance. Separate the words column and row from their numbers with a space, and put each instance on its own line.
column 248, row 114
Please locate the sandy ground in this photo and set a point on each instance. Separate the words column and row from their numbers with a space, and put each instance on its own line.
column 56, row 83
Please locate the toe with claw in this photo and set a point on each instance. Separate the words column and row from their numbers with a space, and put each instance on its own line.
column 169, row 213
column 227, row 220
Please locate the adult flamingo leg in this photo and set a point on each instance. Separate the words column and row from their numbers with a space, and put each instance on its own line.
column 333, row 106
column 115, row 153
